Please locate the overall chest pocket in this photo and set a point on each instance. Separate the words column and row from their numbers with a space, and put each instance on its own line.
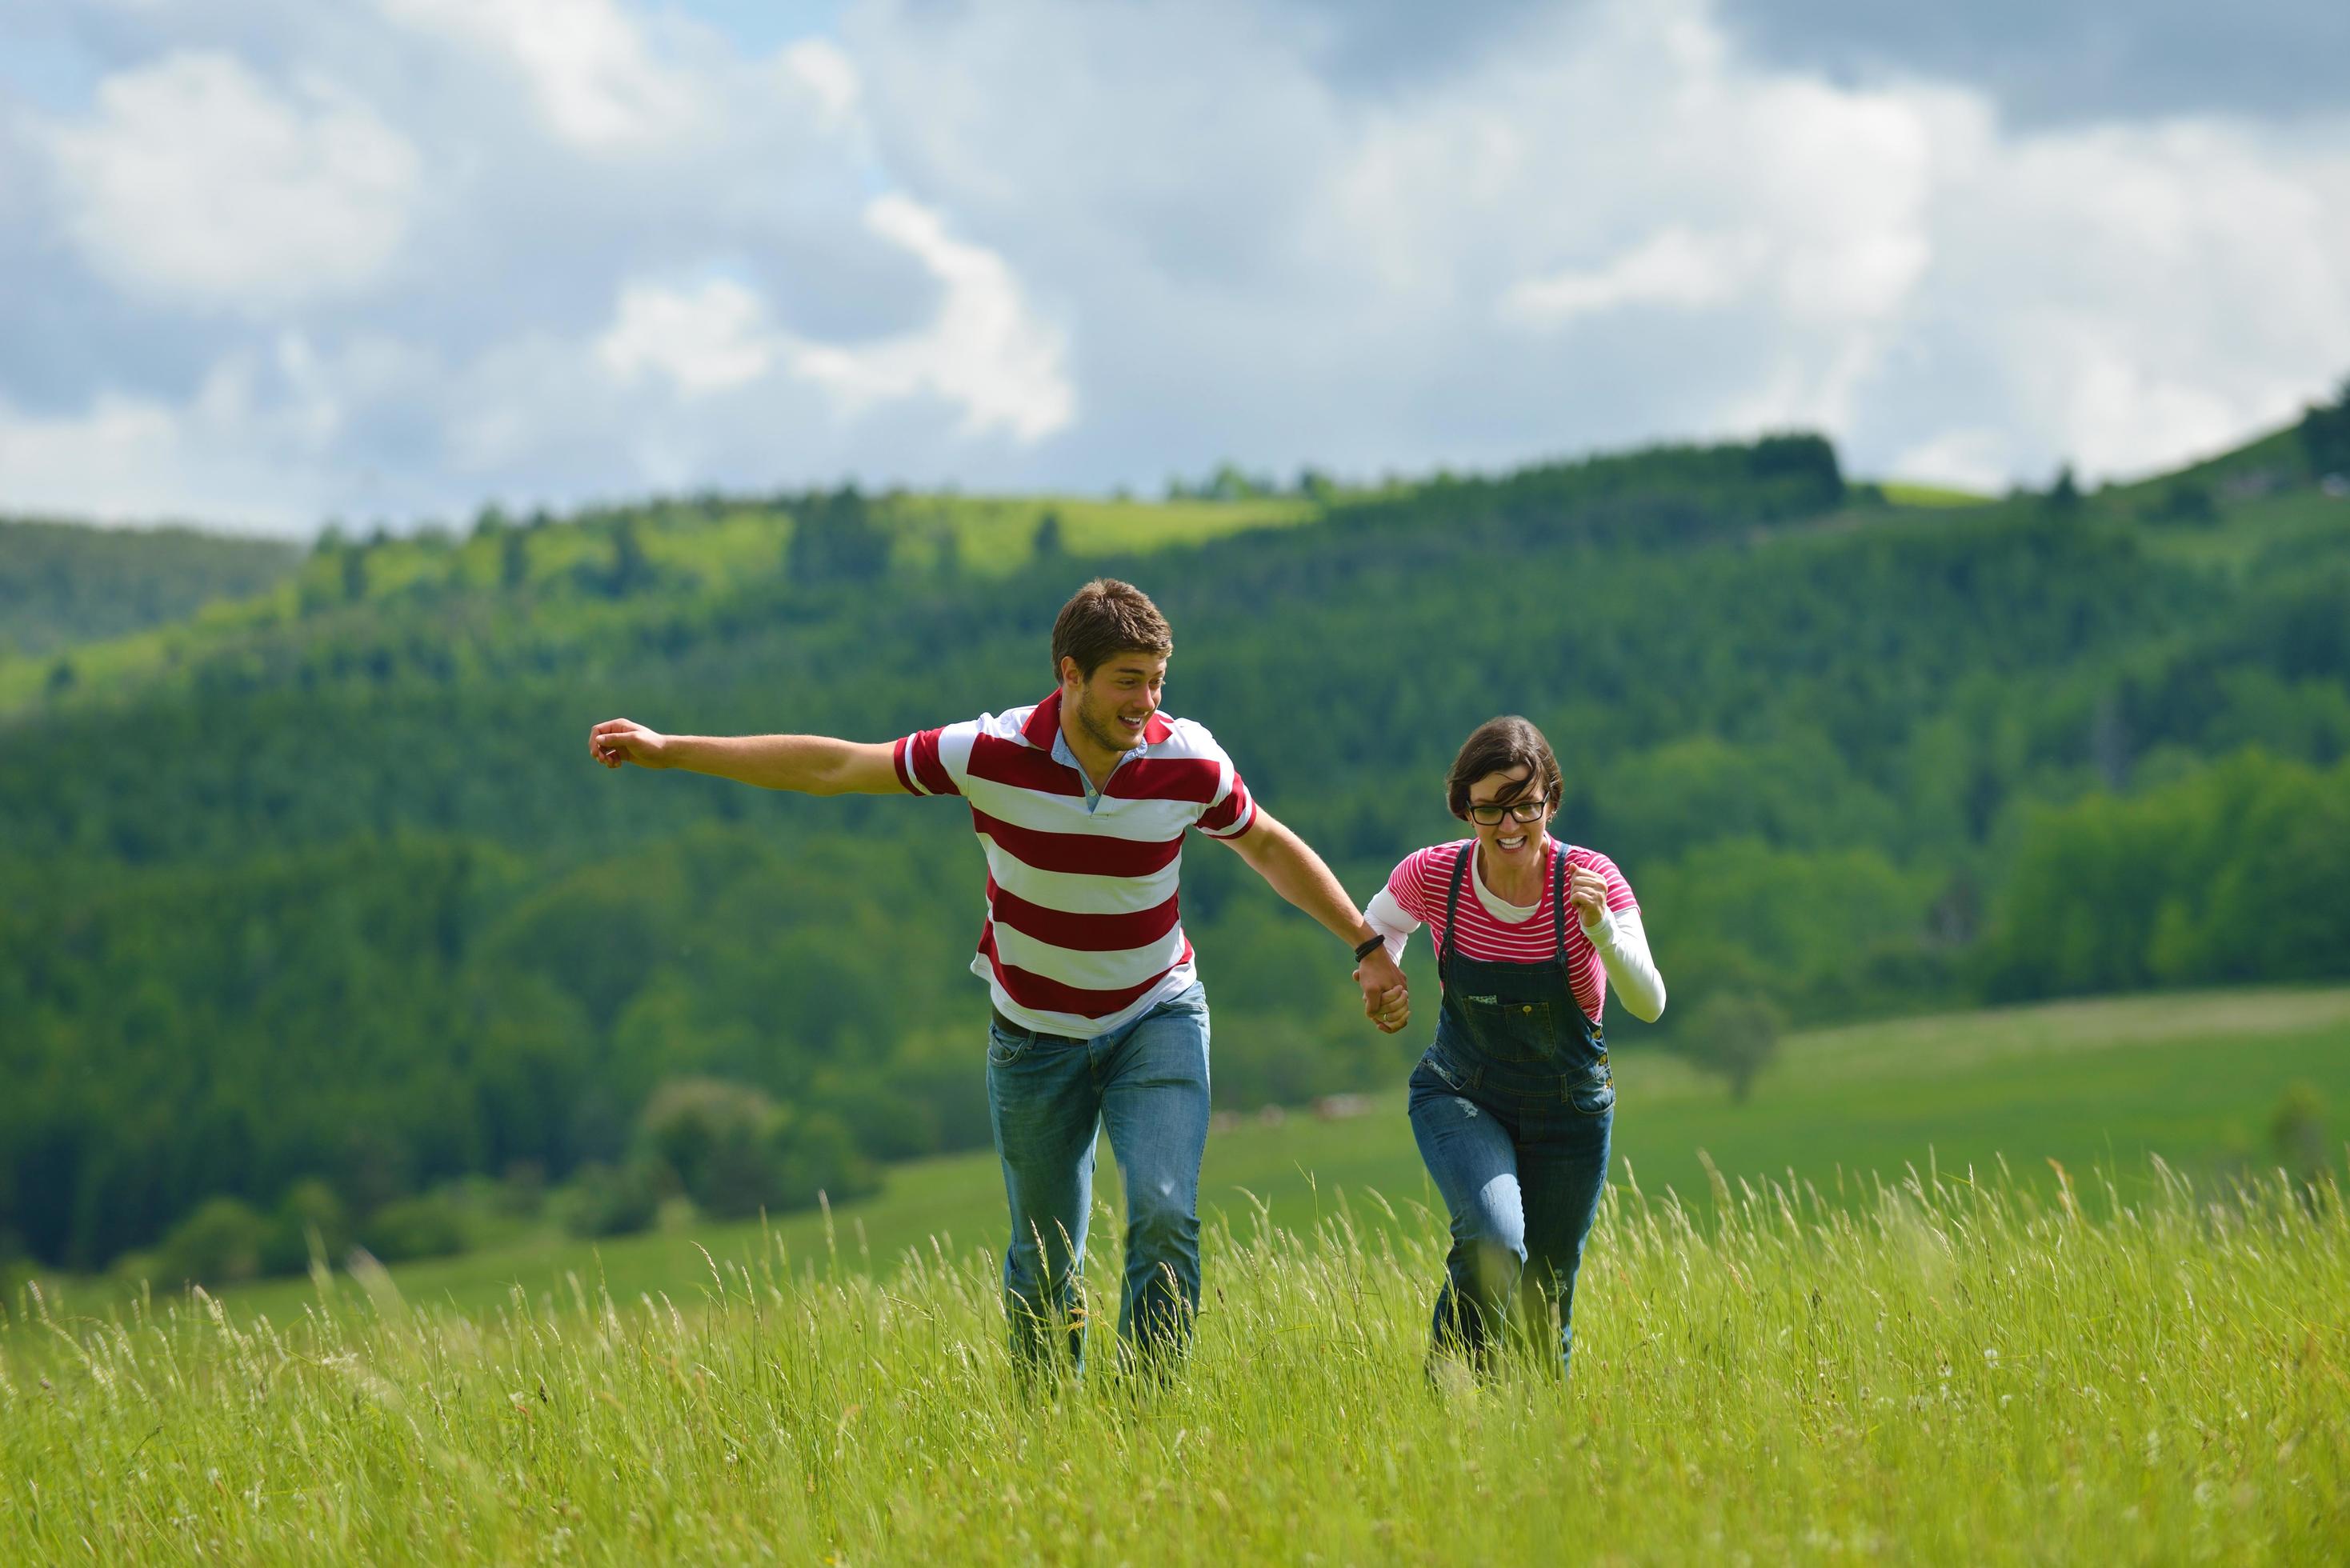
column 1509, row 1031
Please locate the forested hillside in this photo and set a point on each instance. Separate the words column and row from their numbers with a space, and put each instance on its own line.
column 320, row 901
column 62, row 583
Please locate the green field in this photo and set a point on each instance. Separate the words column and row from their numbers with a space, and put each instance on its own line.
column 2100, row 1084
column 1951, row 1373
column 1951, row 1359
column 1902, row 493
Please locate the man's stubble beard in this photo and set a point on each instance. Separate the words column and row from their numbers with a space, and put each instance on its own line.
column 1100, row 734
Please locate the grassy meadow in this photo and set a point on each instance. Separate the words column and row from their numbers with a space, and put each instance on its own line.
column 1889, row 1327
column 2093, row 1086
column 1946, row 1373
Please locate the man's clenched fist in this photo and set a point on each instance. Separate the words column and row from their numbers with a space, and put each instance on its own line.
column 618, row 741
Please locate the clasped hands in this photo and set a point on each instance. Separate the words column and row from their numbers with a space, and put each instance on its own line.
column 1387, row 997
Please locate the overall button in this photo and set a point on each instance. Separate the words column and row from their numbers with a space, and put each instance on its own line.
column 1528, row 1007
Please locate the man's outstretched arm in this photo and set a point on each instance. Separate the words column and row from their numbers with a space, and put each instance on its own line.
column 1289, row 864
column 807, row 765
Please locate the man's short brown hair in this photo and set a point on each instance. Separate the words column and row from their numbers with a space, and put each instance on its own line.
column 1105, row 619
column 1499, row 746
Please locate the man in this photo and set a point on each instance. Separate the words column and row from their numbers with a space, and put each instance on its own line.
column 1080, row 802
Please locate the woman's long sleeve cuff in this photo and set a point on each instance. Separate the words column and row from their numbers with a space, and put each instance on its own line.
column 1623, row 946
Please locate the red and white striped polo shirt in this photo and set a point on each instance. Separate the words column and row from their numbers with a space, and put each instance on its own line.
column 1418, row 885
column 1082, row 933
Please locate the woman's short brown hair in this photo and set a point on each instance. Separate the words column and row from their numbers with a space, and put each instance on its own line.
column 1498, row 746
column 1103, row 618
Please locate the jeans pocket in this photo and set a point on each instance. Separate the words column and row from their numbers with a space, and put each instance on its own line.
column 1594, row 1095
column 1192, row 998
column 1452, row 1079
column 1003, row 1050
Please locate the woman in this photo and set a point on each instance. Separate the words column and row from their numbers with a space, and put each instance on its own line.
column 1514, row 1104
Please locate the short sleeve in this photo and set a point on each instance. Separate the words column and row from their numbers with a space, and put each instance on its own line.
column 1620, row 891
column 1233, row 811
column 936, row 762
column 1409, row 882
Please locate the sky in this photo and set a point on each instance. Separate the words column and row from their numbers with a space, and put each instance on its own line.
column 268, row 263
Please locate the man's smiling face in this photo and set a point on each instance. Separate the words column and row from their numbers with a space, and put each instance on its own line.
column 1113, row 706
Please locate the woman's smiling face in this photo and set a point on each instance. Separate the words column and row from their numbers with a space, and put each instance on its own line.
column 1508, row 844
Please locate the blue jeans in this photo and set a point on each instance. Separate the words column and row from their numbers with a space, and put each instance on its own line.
column 1520, row 1157
column 1147, row 1083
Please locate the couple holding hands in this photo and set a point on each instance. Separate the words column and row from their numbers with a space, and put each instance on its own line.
column 1080, row 802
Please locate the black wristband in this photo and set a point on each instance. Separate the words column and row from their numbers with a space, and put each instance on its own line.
column 1363, row 948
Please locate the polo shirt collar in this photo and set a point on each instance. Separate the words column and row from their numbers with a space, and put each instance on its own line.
column 1043, row 730
column 1044, row 722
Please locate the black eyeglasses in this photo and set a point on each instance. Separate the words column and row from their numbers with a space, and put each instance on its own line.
column 1524, row 810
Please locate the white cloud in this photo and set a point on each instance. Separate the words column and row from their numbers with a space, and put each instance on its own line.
column 196, row 183
column 396, row 257
column 1677, row 269
column 823, row 69
column 1617, row 227
column 2133, row 296
column 710, row 339
column 228, row 455
column 586, row 62
column 984, row 352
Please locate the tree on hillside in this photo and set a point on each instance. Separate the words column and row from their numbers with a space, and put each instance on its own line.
column 2065, row 495
column 1232, row 482
column 311, row 1222
column 1807, row 461
column 2325, row 434
column 1229, row 481
column 1733, row 1035
column 632, row 571
column 834, row 540
column 1047, row 544
column 219, row 1244
column 2184, row 502
column 2297, row 1131
column 425, row 1226
column 513, row 559
column 735, row 1151
column 608, row 1201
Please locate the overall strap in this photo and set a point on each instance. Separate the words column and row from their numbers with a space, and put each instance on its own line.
column 1558, row 895
column 1452, row 904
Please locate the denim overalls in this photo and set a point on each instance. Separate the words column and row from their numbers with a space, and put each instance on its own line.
column 1512, row 1108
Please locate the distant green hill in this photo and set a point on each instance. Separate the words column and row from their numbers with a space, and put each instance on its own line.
column 321, row 884
column 62, row 583
column 1906, row 495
